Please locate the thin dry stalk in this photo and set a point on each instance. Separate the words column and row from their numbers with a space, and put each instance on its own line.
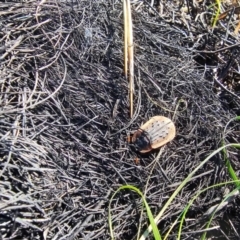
column 125, row 39
column 128, row 50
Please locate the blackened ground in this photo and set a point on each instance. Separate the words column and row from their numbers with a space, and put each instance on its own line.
column 64, row 115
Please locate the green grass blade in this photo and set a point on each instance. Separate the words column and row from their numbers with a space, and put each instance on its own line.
column 231, row 171
column 218, row 3
column 157, row 219
column 203, row 237
column 156, row 233
column 183, row 215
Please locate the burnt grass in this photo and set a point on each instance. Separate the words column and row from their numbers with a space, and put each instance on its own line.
column 64, row 117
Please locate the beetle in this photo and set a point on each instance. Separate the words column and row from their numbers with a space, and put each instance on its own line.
column 156, row 132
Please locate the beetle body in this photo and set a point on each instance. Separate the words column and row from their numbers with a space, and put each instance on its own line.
column 154, row 133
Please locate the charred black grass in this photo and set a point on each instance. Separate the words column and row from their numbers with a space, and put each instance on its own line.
column 64, row 116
